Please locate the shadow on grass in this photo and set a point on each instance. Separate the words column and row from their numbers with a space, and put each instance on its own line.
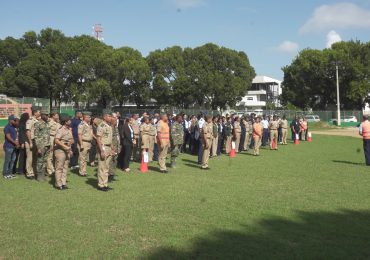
column 196, row 166
column 190, row 161
column 314, row 235
column 348, row 162
column 92, row 182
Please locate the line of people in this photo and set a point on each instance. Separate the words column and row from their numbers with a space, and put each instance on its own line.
column 43, row 145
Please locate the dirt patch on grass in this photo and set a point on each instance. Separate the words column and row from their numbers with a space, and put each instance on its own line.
column 351, row 132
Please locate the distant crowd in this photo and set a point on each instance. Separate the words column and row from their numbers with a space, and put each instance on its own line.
column 44, row 145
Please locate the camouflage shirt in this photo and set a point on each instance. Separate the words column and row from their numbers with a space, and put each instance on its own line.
column 42, row 134
column 177, row 133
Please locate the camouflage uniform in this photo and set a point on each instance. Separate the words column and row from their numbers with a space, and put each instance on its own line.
column 42, row 141
column 116, row 148
column 177, row 139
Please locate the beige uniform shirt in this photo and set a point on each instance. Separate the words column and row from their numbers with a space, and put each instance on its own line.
column 64, row 134
column 30, row 125
column 207, row 131
column 274, row 125
column 86, row 131
column 135, row 128
column 284, row 124
column 237, row 127
column 105, row 132
column 54, row 126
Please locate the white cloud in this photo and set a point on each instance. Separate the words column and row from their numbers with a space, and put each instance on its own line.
column 331, row 38
column 185, row 4
column 287, row 47
column 337, row 16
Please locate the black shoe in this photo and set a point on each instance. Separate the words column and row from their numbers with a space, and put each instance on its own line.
column 206, row 169
column 65, row 187
column 59, row 188
column 108, row 188
column 30, row 177
column 103, row 188
column 111, row 178
column 164, row 171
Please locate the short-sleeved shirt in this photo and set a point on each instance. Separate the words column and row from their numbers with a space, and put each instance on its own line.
column 284, row 123
column 64, row 134
column 9, row 129
column 136, row 128
column 257, row 130
column 30, row 126
column 274, row 125
column 265, row 124
column 237, row 127
column 54, row 126
column 105, row 132
column 208, row 130
column 86, row 131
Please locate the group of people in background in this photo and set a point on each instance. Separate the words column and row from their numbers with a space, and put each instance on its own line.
column 42, row 144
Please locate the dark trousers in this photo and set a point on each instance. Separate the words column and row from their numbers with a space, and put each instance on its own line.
column 251, row 145
column 22, row 161
column 220, row 144
column 186, row 142
column 127, row 150
column 200, row 151
column 367, row 151
column 280, row 134
column 74, row 158
column 265, row 136
column 155, row 152
column 241, row 143
column 9, row 160
column 92, row 153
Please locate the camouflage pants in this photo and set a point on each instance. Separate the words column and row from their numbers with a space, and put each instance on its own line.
column 41, row 163
column 113, row 163
column 175, row 152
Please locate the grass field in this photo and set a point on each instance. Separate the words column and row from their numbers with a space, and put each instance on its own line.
column 306, row 201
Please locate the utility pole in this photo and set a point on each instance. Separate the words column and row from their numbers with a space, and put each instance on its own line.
column 338, row 99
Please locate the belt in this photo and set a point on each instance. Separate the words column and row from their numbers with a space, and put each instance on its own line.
column 108, row 145
column 66, row 143
column 52, row 135
column 86, row 141
column 273, row 129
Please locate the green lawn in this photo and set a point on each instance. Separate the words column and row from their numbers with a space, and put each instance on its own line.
column 306, row 201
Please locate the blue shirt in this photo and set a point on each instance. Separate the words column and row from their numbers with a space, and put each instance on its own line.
column 74, row 125
column 9, row 129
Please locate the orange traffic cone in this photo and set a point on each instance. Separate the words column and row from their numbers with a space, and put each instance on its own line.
column 232, row 152
column 296, row 140
column 273, row 144
column 309, row 137
column 144, row 162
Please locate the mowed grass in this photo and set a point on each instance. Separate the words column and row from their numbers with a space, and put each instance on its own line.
column 305, row 201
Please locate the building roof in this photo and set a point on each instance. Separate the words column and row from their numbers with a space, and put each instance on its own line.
column 264, row 80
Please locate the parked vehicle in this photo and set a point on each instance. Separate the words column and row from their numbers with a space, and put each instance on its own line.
column 346, row 119
column 312, row 118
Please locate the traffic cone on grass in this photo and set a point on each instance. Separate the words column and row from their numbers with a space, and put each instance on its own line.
column 144, row 162
column 296, row 140
column 232, row 152
column 309, row 137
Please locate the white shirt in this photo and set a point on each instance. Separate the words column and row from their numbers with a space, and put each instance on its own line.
column 265, row 123
column 132, row 132
column 187, row 124
column 201, row 122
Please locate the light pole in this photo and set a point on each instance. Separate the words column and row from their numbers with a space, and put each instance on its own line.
column 338, row 99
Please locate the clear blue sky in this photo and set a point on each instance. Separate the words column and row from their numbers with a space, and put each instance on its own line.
column 271, row 32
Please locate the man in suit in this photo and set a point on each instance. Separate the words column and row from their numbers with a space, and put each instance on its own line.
column 128, row 141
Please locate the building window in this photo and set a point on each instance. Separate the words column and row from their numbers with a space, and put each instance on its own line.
column 250, row 98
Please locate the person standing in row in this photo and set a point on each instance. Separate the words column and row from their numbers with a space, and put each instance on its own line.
column 257, row 136
column 177, row 139
column 247, row 134
column 145, row 131
column 273, row 133
column 128, row 140
column 163, row 139
column 30, row 147
column 94, row 146
column 242, row 134
column 220, row 127
column 215, row 136
column 295, row 128
column 22, row 137
column 11, row 143
column 42, row 142
column 85, row 137
column 186, row 125
column 364, row 131
column 284, row 130
column 207, row 134
column 303, row 124
column 136, row 145
column 104, row 139
column 116, row 147
column 63, row 142
column 237, row 133
column 54, row 125
column 228, row 132
column 265, row 133
column 75, row 122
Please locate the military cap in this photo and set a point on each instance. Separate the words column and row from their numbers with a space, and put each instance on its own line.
column 107, row 112
column 86, row 113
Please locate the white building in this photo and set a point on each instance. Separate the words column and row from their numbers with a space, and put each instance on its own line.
column 264, row 90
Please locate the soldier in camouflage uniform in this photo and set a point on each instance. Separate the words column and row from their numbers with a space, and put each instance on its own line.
column 116, row 148
column 177, row 139
column 42, row 142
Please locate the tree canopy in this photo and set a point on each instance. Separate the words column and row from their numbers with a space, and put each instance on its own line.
column 77, row 69
column 310, row 80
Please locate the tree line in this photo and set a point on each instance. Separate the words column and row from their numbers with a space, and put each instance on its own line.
column 310, row 80
column 77, row 69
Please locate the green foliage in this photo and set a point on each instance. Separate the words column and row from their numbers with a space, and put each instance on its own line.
column 65, row 69
column 310, row 81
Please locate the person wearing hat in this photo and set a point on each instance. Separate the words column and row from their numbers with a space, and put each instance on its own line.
column 104, row 136
column 207, row 132
column 54, row 125
column 257, row 136
column 85, row 136
column 63, row 143
column 31, row 152
column 177, row 139
column 10, row 145
column 145, row 135
column 273, row 127
column 163, row 140
column 284, row 130
column 42, row 142
column 116, row 147
column 75, row 122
